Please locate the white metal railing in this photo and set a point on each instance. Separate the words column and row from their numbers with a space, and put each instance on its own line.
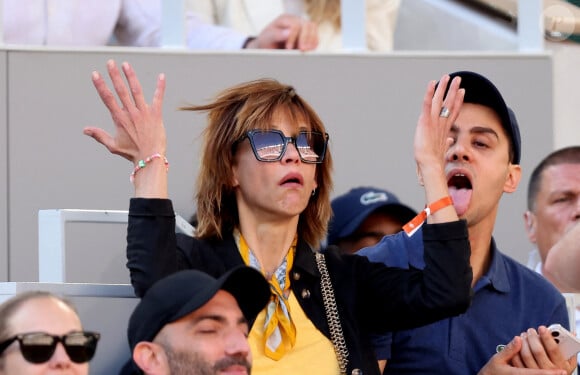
column 173, row 23
column 1, row 22
column 52, row 236
column 353, row 25
column 572, row 303
column 530, row 25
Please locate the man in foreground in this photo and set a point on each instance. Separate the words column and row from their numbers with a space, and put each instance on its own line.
column 191, row 323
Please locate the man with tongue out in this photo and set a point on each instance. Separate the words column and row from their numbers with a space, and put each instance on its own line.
column 508, row 299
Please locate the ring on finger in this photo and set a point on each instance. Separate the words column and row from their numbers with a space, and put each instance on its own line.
column 445, row 112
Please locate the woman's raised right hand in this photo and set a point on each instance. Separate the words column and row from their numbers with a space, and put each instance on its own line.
column 139, row 126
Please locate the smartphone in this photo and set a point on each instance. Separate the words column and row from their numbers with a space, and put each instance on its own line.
column 568, row 343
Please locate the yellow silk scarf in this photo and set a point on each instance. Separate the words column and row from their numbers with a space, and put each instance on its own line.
column 279, row 330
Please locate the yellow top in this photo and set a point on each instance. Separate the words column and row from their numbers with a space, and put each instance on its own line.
column 313, row 353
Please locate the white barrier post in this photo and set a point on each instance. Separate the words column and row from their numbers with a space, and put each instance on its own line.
column 530, row 25
column 52, row 235
column 353, row 24
column 1, row 22
column 173, row 24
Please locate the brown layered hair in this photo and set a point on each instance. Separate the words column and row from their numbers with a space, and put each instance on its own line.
column 230, row 115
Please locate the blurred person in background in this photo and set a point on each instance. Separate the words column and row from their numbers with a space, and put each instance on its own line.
column 41, row 333
column 251, row 16
column 137, row 24
column 553, row 216
column 82, row 23
column 364, row 215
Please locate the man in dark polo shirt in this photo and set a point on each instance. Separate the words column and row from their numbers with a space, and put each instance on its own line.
column 482, row 164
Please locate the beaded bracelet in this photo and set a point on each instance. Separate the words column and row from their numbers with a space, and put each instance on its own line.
column 143, row 163
column 412, row 226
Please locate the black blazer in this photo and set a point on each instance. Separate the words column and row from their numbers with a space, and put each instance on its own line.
column 371, row 297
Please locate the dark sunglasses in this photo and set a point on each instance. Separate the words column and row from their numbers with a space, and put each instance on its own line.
column 270, row 145
column 38, row 347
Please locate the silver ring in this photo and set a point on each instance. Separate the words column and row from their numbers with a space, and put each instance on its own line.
column 445, row 112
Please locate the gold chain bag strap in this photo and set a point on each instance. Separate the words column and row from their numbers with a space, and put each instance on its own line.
column 331, row 309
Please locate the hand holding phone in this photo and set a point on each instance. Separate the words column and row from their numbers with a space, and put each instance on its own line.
column 568, row 343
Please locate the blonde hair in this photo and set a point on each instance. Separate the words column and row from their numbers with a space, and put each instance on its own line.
column 321, row 11
column 233, row 112
column 11, row 306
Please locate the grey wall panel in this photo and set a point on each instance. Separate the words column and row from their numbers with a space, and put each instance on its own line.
column 370, row 104
column 3, row 169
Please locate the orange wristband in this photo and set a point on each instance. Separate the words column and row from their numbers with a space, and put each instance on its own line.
column 415, row 223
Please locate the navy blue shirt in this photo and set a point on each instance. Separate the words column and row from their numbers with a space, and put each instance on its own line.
column 508, row 300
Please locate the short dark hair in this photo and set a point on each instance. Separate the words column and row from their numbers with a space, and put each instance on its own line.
column 567, row 155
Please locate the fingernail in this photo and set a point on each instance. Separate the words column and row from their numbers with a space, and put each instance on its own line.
column 510, row 344
column 95, row 75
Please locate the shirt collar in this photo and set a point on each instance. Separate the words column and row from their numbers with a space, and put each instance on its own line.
column 496, row 276
column 304, row 260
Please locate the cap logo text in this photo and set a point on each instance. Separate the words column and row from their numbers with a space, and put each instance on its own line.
column 372, row 197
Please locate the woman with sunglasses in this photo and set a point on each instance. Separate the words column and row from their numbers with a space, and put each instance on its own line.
column 41, row 333
column 263, row 199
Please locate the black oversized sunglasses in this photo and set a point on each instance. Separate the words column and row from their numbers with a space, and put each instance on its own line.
column 38, row 347
column 270, row 145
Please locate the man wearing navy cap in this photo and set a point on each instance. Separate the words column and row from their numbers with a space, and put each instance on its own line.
column 482, row 163
column 364, row 215
column 191, row 323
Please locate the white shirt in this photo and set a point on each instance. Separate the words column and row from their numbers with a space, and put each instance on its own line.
column 103, row 22
column 535, row 263
column 82, row 22
column 204, row 35
column 250, row 17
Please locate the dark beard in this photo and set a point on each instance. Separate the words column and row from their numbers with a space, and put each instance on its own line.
column 183, row 363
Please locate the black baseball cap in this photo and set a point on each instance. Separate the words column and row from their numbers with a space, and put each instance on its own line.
column 183, row 292
column 480, row 90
